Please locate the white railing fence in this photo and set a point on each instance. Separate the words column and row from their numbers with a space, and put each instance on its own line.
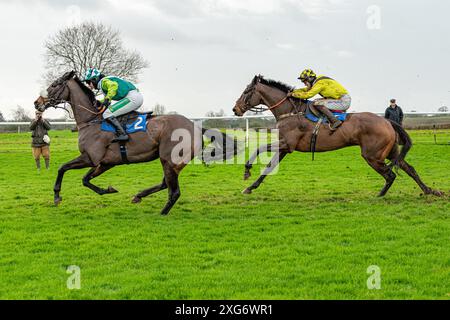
column 420, row 120
column 24, row 126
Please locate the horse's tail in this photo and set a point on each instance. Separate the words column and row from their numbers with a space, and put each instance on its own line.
column 405, row 140
column 224, row 146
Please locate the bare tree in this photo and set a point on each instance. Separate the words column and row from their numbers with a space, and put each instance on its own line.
column 2, row 118
column 91, row 45
column 21, row 115
column 159, row 109
column 443, row 109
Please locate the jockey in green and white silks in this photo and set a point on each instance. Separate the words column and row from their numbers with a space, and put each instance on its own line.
column 127, row 97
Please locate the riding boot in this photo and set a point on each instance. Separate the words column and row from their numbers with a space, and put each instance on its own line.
column 122, row 137
column 334, row 122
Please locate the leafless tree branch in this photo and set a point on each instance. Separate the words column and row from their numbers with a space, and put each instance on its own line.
column 91, row 45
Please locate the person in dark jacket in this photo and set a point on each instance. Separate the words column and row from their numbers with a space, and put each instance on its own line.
column 40, row 140
column 394, row 113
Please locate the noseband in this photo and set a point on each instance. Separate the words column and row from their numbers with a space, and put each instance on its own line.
column 54, row 101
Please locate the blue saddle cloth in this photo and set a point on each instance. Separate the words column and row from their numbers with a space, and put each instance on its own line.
column 342, row 116
column 139, row 124
column 311, row 117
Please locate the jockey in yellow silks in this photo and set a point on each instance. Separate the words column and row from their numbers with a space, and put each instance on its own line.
column 334, row 95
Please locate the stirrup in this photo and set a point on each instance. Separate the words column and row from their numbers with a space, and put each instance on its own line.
column 335, row 126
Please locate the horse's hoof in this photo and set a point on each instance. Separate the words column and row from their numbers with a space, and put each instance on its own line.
column 58, row 201
column 247, row 175
column 136, row 199
column 247, row 191
column 434, row 193
column 112, row 190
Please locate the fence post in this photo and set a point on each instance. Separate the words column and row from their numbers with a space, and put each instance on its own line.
column 18, row 128
column 434, row 130
column 247, row 133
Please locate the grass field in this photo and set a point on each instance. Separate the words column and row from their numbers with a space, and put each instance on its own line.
column 309, row 232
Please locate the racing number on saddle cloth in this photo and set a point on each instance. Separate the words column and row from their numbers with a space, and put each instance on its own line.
column 139, row 125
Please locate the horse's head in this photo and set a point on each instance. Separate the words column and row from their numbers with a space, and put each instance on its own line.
column 249, row 99
column 57, row 93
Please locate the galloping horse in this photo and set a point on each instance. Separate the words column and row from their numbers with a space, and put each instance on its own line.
column 378, row 138
column 161, row 140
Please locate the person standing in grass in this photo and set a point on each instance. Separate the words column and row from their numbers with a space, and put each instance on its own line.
column 40, row 140
column 394, row 113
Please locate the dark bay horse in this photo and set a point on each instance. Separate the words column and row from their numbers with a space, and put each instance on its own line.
column 162, row 140
column 378, row 138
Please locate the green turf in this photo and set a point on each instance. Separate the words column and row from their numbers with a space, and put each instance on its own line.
column 309, row 232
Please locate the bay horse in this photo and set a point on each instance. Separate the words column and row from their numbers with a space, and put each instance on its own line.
column 161, row 140
column 378, row 138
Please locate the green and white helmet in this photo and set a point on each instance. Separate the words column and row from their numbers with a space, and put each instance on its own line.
column 91, row 74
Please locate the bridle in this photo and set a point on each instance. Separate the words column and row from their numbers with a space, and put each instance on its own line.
column 249, row 93
column 56, row 100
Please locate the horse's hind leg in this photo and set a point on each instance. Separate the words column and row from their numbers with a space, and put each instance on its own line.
column 409, row 169
column 383, row 169
column 171, row 179
column 138, row 198
column 95, row 172
column 405, row 166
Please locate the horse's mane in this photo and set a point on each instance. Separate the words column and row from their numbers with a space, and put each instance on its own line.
column 276, row 84
column 86, row 90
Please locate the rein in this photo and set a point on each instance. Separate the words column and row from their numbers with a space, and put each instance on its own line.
column 94, row 120
column 261, row 109
column 278, row 104
column 93, row 112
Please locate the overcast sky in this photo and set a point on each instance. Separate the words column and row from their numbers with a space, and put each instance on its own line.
column 203, row 53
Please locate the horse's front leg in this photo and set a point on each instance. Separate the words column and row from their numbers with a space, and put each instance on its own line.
column 81, row 162
column 95, row 172
column 279, row 155
column 251, row 160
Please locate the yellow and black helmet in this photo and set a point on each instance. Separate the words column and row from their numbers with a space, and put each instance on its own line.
column 307, row 74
